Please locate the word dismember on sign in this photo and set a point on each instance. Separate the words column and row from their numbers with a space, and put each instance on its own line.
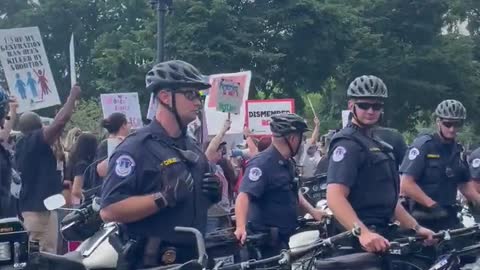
column 259, row 113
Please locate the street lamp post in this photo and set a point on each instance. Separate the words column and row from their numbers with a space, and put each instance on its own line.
column 161, row 6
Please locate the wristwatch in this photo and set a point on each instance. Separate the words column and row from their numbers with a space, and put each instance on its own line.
column 160, row 200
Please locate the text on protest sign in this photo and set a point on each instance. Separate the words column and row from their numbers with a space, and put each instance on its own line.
column 260, row 111
column 215, row 118
column 126, row 103
column 27, row 69
column 229, row 89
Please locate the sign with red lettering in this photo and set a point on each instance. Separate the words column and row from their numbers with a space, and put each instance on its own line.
column 260, row 111
column 126, row 103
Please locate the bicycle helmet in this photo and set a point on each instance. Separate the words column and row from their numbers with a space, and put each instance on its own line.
column 451, row 109
column 287, row 123
column 173, row 75
column 367, row 86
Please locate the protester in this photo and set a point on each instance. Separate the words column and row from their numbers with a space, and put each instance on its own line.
column 38, row 167
column 82, row 156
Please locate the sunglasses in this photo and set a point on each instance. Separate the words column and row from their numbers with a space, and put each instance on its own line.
column 449, row 124
column 191, row 94
column 366, row 106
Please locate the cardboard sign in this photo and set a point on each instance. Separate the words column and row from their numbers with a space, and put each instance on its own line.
column 260, row 111
column 215, row 118
column 27, row 69
column 229, row 89
column 126, row 103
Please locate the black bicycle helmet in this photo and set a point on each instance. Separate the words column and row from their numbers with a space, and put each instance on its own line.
column 367, row 86
column 451, row 109
column 287, row 123
column 173, row 75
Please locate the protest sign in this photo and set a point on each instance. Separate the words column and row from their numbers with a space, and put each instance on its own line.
column 229, row 89
column 260, row 111
column 345, row 117
column 126, row 103
column 27, row 70
column 215, row 118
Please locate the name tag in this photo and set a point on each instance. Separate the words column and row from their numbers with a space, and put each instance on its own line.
column 433, row 156
column 375, row 149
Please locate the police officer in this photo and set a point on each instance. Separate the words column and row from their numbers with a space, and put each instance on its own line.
column 7, row 202
column 474, row 166
column 434, row 168
column 159, row 178
column 269, row 196
column 363, row 181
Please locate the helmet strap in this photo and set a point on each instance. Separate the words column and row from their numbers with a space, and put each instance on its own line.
column 173, row 110
column 292, row 152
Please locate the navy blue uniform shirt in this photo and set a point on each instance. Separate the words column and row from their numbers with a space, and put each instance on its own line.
column 269, row 182
column 140, row 166
column 437, row 168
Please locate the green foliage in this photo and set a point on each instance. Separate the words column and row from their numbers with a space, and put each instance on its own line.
column 87, row 117
column 294, row 48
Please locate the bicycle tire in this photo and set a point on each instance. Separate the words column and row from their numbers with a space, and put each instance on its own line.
column 408, row 263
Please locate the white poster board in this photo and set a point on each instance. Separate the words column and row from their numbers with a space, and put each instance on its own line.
column 215, row 119
column 260, row 111
column 345, row 116
column 27, row 70
column 126, row 103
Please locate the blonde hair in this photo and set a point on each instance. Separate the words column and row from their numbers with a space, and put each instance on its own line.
column 71, row 139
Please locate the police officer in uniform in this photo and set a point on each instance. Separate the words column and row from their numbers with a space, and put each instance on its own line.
column 474, row 166
column 363, row 181
column 435, row 167
column 269, row 196
column 159, row 178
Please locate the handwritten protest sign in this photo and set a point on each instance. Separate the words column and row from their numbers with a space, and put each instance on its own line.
column 260, row 111
column 214, row 117
column 27, row 70
column 126, row 103
column 229, row 90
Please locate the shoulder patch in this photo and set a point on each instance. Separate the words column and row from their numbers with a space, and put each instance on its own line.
column 414, row 152
column 339, row 154
column 124, row 165
column 476, row 163
column 255, row 174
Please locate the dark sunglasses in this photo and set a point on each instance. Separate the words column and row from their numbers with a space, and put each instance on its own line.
column 449, row 124
column 366, row 106
column 191, row 94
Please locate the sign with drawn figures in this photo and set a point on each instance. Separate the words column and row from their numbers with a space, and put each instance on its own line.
column 229, row 89
column 259, row 113
column 27, row 70
column 126, row 103
column 216, row 117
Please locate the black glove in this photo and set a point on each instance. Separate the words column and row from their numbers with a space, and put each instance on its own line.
column 433, row 212
column 175, row 189
column 211, row 187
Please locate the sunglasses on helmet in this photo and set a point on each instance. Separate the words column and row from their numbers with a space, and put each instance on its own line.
column 366, row 106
